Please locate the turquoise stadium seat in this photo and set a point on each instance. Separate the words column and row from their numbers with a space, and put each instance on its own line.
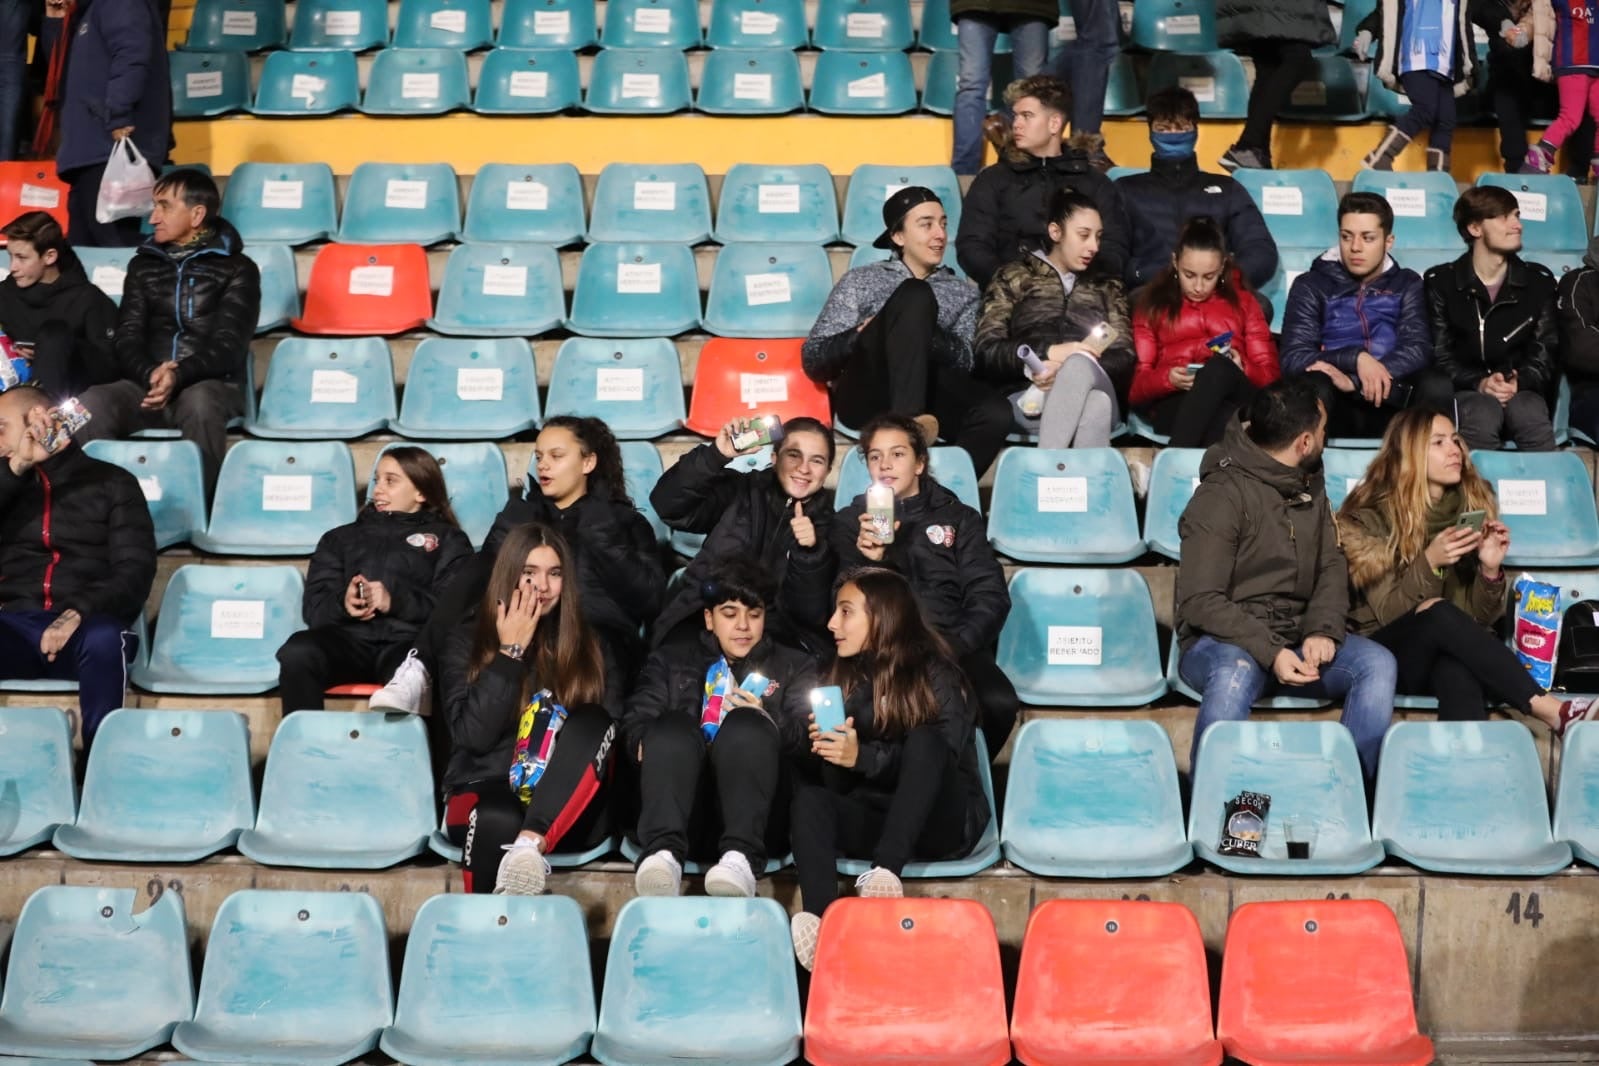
column 633, row 386
column 330, row 389
column 219, row 630
column 1466, row 798
column 169, row 473
column 344, row 791
column 517, row 966
column 863, row 83
column 1300, row 206
column 1343, row 469
column 307, row 83
column 1174, row 26
column 163, row 787
column 500, row 290
column 1172, row 481
column 339, row 25
column 757, row 24
column 1216, row 79
column 936, row 30
column 1074, row 505
column 469, row 389
column 658, row 1007
column 864, row 25
column 1094, row 798
column 1532, row 487
column 475, row 478
column 282, row 203
column 416, row 81
column 1423, row 206
column 1081, row 638
column 465, row 25
column 777, row 203
column 1559, row 263
column 88, row 977
column 638, row 81
column 107, row 269
column 635, row 290
column 763, row 81
column 292, row 977
column 279, row 497
column 767, row 290
column 280, row 285
column 517, row 81
column 1552, row 215
column 1123, row 97
column 938, row 92
column 547, row 24
column 1577, row 801
column 1332, row 93
column 1354, row 11
column 1310, row 770
column 671, row 24
column 540, row 203
column 871, row 184
column 648, row 202
column 37, row 793
column 205, row 84
column 641, row 469
column 236, row 26
column 950, row 466
column 401, row 203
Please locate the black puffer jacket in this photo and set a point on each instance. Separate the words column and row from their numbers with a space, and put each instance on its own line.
column 414, row 556
column 89, row 316
column 1578, row 304
column 1002, row 216
column 942, row 549
column 1472, row 338
column 1241, row 21
column 673, row 682
column 748, row 514
column 1173, row 191
column 198, row 306
column 75, row 533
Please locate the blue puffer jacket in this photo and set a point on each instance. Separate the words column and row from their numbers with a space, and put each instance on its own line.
column 116, row 76
column 1332, row 317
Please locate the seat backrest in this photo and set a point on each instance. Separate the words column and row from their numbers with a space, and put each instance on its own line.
column 522, row 81
column 641, row 469
column 37, row 789
column 1066, row 505
column 1300, row 206
column 366, row 289
column 236, row 26
column 169, row 474
column 416, row 81
column 1577, row 798
column 463, row 25
column 768, row 290
column 334, row 388
column 540, row 203
column 401, row 203
column 470, row 388
column 671, row 24
column 638, row 80
column 936, row 30
column 1216, row 79
column 1172, row 480
column 289, row 203
column 340, row 25
column 864, row 25
column 1552, row 215
column 208, row 83
column 636, row 290
column 743, row 378
column 283, row 492
column 1174, row 26
column 1423, row 204
column 500, row 290
column 633, row 386
column 107, row 268
column 870, row 185
column 564, row 24
column 1330, row 90
column 1093, row 630
column 754, row 81
column 32, row 185
column 280, row 285
column 646, row 202
column 777, row 203
column 476, row 480
column 1343, row 469
column 757, row 24
column 950, row 466
column 1532, row 486
column 220, row 622
column 849, row 83
column 307, row 83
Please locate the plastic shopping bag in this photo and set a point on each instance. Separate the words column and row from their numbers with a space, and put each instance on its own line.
column 128, row 188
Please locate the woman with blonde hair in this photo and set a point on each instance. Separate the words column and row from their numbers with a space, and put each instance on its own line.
column 1426, row 556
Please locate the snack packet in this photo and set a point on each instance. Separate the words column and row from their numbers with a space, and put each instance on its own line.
column 1243, row 827
column 1536, row 627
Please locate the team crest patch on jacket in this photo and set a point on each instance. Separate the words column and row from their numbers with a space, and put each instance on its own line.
column 944, row 535
column 426, row 541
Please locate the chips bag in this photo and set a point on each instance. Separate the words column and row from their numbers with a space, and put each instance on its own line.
column 1243, row 828
column 1537, row 628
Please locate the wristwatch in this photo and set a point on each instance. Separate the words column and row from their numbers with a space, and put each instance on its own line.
column 513, row 650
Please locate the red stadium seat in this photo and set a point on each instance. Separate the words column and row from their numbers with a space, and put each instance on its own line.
column 359, row 290
column 32, row 186
column 1112, row 983
column 359, row 691
column 1318, row 981
column 739, row 378
column 907, row 981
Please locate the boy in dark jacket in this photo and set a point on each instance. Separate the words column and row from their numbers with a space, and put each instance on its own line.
column 51, row 310
column 1262, row 586
column 1494, row 327
column 77, row 558
column 1577, row 304
column 189, row 308
column 940, row 545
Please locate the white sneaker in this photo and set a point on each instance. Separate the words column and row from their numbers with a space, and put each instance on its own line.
column 406, row 689
column 878, row 883
column 523, row 870
column 659, row 875
column 731, row 876
column 803, row 929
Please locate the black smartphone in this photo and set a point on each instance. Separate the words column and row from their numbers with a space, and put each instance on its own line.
column 1399, row 394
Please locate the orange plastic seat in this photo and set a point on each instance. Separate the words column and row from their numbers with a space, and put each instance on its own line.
column 32, row 186
column 1111, row 983
column 1318, row 981
column 360, row 690
column 366, row 290
column 741, row 378
column 907, row 981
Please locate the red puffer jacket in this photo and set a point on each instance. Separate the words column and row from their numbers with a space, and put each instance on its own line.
column 1176, row 344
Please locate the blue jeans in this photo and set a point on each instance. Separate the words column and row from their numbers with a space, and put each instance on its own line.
column 13, row 74
column 1084, row 64
column 1363, row 674
column 96, row 657
column 1029, row 43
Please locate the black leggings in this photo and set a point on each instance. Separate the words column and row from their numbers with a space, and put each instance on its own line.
column 1442, row 652
column 700, row 800
column 481, row 817
column 892, row 369
column 1432, row 107
column 1198, row 418
column 923, row 815
column 996, row 697
column 313, row 659
column 1279, row 68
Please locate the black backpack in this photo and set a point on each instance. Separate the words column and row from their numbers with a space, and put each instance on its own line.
column 1577, row 658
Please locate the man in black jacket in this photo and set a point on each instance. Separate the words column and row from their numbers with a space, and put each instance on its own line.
column 1578, row 307
column 51, row 310
column 77, row 557
column 1174, row 190
column 189, row 308
column 1494, row 328
column 1002, row 216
